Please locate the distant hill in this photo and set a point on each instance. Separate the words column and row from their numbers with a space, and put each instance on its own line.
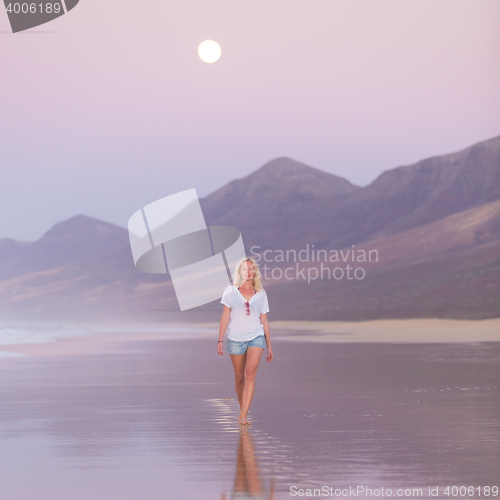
column 408, row 197
column 80, row 269
column 449, row 268
column 283, row 202
column 435, row 225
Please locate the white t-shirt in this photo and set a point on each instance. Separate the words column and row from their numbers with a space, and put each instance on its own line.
column 243, row 327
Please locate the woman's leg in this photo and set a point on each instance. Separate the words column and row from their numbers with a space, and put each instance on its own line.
column 238, row 361
column 252, row 363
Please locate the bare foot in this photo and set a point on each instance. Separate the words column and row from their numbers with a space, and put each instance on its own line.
column 243, row 420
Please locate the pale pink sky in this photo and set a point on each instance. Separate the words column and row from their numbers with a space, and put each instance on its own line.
column 109, row 107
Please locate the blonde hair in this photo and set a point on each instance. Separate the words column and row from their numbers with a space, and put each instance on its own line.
column 256, row 281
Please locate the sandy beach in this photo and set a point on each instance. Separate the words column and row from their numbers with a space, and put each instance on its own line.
column 152, row 415
column 395, row 330
column 413, row 331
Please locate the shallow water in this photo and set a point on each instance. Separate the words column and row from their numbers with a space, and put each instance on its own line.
column 15, row 334
column 158, row 420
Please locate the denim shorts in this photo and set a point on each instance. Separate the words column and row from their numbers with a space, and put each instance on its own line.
column 235, row 347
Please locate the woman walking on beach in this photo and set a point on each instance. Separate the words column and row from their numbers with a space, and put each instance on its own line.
column 245, row 319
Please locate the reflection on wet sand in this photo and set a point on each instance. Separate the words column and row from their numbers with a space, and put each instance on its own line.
column 248, row 483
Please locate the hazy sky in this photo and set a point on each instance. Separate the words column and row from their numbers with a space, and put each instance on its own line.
column 109, row 107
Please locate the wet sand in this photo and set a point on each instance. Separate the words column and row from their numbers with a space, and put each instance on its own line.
column 152, row 416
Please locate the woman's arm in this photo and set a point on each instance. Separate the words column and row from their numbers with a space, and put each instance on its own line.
column 223, row 326
column 265, row 324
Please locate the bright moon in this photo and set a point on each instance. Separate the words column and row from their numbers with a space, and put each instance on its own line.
column 209, row 51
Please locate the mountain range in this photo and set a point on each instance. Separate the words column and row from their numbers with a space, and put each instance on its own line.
column 285, row 195
column 435, row 227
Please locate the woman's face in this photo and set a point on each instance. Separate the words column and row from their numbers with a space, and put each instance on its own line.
column 247, row 271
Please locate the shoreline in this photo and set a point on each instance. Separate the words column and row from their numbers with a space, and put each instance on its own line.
column 375, row 331
column 426, row 330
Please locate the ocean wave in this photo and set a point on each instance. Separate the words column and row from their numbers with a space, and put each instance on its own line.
column 5, row 354
column 39, row 334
